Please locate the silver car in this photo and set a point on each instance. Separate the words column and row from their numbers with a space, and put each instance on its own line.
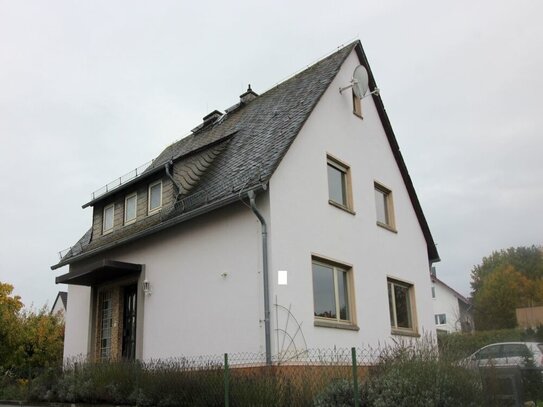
column 507, row 354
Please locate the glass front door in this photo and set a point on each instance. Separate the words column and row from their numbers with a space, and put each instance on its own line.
column 129, row 322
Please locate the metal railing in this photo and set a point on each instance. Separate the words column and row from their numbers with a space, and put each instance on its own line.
column 116, row 183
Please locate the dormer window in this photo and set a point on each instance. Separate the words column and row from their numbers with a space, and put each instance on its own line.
column 130, row 207
column 107, row 221
column 155, row 196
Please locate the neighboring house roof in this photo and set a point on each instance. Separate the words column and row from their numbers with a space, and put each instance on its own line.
column 455, row 293
column 63, row 297
column 239, row 151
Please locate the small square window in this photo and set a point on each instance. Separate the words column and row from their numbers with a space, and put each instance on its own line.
column 331, row 292
column 383, row 207
column 339, row 184
column 130, row 208
column 400, row 302
column 107, row 221
column 155, row 196
column 441, row 319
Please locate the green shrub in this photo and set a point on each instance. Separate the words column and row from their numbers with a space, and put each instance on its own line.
column 339, row 393
column 414, row 375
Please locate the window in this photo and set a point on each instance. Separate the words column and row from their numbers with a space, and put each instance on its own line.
column 433, row 292
column 400, row 300
column 106, row 322
column 130, row 207
column 155, row 196
column 357, row 106
column 331, row 292
column 339, row 184
column 383, row 207
column 441, row 319
column 107, row 221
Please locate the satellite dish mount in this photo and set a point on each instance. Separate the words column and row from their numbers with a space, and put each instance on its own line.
column 360, row 83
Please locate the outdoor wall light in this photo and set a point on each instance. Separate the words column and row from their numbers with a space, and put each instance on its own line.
column 146, row 287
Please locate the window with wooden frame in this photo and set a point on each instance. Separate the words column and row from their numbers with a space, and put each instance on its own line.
column 339, row 184
column 357, row 106
column 384, row 207
column 332, row 294
column 130, row 208
column 107, row 219
column 401, row 300
column 155, row 196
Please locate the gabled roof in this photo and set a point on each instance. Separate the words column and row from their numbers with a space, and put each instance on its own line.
column 63, row 297
column 254, row 137
column 452, row 290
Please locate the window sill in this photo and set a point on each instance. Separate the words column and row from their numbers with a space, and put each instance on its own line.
column 154, row 211
column 107, row 232
column 342, row 207
column 387, row 227
column 130, row 222
column 359, row 115
column 402, row 332
column 338, row 325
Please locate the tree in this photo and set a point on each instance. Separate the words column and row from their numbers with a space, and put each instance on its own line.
column 10, row 325
column 501, row 292
column 505, row 280
column 526, row 260
column 28, row 339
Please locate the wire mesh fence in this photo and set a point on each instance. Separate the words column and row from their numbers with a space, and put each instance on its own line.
column 399, row 376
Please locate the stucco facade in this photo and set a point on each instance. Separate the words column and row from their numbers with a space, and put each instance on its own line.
column 303, row 223
column 451, row 306
column 204, row 275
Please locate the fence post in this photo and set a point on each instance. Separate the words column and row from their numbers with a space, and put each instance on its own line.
column 355, row 378
column 226, row 382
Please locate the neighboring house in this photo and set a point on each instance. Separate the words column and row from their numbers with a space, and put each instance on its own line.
column 452, row 311
column 289, row 221
column 60, row 305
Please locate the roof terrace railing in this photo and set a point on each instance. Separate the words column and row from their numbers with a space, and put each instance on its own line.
column 116, row 183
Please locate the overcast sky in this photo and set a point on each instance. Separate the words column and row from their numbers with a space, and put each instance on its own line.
column 90, row 90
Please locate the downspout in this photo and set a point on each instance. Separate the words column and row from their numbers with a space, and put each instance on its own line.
column 267, row 334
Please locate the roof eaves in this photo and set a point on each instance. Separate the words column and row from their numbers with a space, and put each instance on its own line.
column 433, row 255
column 163, row 225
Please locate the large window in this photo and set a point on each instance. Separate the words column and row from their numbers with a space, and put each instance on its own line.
column 339, row 184
column 400, row 302
column 107, row 221
column 106, row 323
column 130, row 207
column 155, row 196
column 384, row 207
column 331, row 292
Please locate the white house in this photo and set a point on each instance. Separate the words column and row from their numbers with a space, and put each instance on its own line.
column 60, row 305
column 452, row 311
column 288, row 221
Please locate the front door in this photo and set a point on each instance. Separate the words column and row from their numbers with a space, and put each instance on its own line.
column 129, row 322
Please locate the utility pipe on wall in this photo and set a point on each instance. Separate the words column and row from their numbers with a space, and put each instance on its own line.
column 251, row 195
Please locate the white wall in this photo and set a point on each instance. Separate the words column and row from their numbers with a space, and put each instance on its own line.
column 445, row 302
column 303, row 222
column 193, row 310
column 76, row 337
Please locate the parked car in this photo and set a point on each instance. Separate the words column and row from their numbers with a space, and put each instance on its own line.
column 507, row 354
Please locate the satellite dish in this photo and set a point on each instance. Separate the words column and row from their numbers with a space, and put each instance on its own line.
column 360, row 81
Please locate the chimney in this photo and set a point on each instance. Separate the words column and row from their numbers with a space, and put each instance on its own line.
column 248, row 96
